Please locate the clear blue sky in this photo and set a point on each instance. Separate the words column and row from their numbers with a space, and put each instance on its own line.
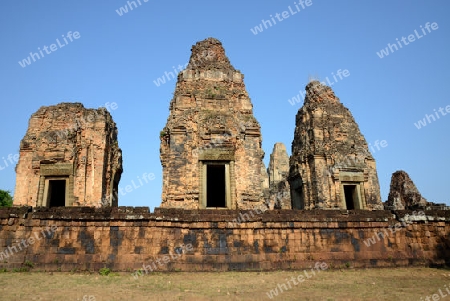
column 118, row 58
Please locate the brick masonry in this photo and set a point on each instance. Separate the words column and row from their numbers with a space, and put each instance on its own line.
column 68, row 142
column 125, row 238
column 403, row 194
column 331, row 166
column 280, row 196
column 211, row 123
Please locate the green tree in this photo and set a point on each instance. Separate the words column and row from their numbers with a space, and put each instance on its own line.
column 6, row 199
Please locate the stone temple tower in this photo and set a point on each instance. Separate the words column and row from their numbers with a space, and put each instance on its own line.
column 69, row 157
column 278, row 172
column 211, row 145
column 331, row 166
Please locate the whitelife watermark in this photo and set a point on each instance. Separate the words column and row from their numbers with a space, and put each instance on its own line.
column 242, row 218
column 179, row 251
column 48, row 50
column 411, row 38
column 281, row 17
column 13, row 159
column 79, row 123
column 216, row 141
column 53, row 136
column 88, row 298
column 397, row 227
column 319, row 266
column 213, row 143
column 437, row 297
column 430, row 118
column 350, row 161
column 302, row 93
column 124, row 9
column 108, row 200
column 206, row 55
column 31, row 240
column 378, row 144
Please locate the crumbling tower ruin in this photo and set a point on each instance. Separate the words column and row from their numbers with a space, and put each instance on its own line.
column 331, row 166
column 278, row 171
column 69, row 157
column 211, row 145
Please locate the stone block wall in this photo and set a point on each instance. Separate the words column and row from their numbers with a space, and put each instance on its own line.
column 69, row 143
column 403, row 193
column 211, row 127
column 331, row 166
column 128, row 239
column 280, row 196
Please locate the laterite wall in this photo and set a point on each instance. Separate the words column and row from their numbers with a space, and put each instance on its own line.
column 125, row 238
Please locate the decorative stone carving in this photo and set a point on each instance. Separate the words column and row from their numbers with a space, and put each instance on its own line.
column 211, row 145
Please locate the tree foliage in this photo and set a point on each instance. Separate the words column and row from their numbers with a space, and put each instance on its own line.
column 6, row 199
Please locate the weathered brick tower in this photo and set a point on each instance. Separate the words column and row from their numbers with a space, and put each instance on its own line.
column 69, row 157
column 211, row 145
column 403, row 193
column 331, row 166
column 278, row 172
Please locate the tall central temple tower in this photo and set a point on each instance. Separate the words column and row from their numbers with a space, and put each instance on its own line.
column 211, row 145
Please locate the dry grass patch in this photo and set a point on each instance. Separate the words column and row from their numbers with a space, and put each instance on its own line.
column 331, row 285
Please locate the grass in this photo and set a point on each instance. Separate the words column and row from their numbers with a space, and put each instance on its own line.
column 104, row 271
column 332, row 285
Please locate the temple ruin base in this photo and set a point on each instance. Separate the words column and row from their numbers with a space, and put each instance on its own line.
column 126, row 238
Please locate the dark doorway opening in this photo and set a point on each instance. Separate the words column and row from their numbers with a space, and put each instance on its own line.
column 350, row 196
column 298, row 201
column 215, row 185
column 297, row 195
column 57, row 193
column 114, row 202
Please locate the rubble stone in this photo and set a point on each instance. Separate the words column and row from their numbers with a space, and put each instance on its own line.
column 403, row 194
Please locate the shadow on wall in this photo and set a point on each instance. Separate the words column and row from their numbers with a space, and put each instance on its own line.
column 443, row 250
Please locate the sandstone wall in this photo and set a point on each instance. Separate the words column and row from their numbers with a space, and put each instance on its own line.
column 265, row 184
column 71, row 143
column 403, row 194
column 280, row 196
column 331, row 162
column 211, row 122
column 278, row 164
column 125, row 238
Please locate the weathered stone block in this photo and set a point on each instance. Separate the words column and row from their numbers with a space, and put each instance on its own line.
column 331, row 166
column 68, row 146
column 211, row 145
column 404, row 194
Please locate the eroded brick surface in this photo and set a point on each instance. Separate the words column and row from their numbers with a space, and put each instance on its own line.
column 211, row 122
column 71, row 143
column 125, row 238
column 278, row 171
column 403, row 193
column 329, row 152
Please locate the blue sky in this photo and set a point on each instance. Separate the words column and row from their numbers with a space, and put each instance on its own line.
column 118, row 58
